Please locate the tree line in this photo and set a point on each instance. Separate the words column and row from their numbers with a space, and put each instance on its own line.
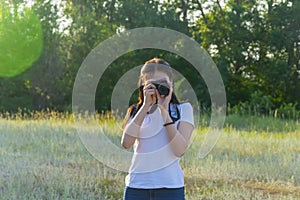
column 255, row 45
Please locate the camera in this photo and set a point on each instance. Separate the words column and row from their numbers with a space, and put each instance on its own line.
column 162, row 87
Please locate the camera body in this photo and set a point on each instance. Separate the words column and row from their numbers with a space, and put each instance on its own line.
column 162, row 87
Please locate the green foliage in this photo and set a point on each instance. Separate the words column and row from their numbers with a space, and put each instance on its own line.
column 260, row 103
column 254, row 44
column 256, row 48
column 288, row 111
column 14, row 95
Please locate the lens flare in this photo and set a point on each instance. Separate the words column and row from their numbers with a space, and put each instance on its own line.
column 21, row 40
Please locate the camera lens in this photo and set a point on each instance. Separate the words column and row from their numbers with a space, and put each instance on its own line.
column 163, row 90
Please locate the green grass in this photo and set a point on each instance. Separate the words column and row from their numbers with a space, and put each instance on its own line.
column 255, row 158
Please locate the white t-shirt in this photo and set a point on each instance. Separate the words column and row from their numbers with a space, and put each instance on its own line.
column 153, row 164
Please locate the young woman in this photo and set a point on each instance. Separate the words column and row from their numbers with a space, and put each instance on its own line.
column 159, row 128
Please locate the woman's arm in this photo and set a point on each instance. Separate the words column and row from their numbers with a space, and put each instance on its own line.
column 179, row 139
column 132, row 129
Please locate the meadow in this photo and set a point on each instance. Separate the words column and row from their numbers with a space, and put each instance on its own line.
column 42, row 157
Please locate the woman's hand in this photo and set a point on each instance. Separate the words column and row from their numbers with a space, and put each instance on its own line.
column 149, row 94
column 163, row 104
column 163, row 100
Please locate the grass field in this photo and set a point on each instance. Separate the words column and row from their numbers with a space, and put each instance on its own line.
column 255, row 158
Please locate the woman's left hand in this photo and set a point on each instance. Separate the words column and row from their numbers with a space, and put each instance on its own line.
column 163, row 100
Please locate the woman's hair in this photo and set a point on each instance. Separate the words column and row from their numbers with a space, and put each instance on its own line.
column 150, row 67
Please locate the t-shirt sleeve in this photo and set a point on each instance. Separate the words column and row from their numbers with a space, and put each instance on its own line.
column 187, row 114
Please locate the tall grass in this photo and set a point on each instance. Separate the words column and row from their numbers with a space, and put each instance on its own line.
column 42, row 157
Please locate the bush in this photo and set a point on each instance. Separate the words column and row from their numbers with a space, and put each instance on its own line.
column 288, row 111
column 257, row 105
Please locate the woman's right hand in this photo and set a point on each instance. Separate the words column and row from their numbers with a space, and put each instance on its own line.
column 149, row 94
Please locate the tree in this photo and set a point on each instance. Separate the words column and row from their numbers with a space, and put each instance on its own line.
column 253, row 47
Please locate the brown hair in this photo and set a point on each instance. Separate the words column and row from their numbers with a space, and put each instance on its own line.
column 150, row 66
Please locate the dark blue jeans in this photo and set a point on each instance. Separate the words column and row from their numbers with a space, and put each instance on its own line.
column 154, row 194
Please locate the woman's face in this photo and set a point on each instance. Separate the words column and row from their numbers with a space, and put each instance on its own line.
column 158, row 77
